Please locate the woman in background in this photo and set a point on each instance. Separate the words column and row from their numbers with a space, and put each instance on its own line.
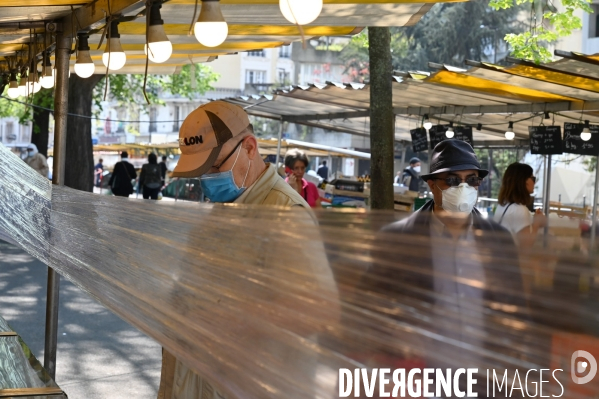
column 296, row 163
column 514, row 200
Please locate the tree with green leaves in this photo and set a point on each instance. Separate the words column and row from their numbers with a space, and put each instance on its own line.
column 449, row 33
column 547, row 25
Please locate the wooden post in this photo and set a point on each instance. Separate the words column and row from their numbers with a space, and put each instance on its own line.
column 382, row 119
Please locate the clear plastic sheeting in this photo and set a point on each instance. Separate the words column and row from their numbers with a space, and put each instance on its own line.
column 267, row 303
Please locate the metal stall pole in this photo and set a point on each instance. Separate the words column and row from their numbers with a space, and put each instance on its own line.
column 546, row 202
column 279, row 146
column 61, row 103
column 594, row 214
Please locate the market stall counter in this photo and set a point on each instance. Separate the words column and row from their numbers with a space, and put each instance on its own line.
column 21, row 374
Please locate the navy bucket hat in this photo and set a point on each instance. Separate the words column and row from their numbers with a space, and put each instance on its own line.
column 454, row 155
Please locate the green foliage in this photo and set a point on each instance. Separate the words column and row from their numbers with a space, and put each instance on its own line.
column 551, row 26
column 182, row 84
column 127, row 90
column 590, row 163
column 10, row 108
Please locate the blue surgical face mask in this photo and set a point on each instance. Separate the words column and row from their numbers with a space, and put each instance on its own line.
column 221, row 187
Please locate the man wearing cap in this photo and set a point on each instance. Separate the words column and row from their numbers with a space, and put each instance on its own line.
column 451, row 264
column 218, row 145
column 411, row 175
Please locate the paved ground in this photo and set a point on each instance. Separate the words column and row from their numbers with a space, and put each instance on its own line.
column 99, row 355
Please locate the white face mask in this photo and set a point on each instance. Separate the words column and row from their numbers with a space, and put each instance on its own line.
column 417, row 169
column 459, row 199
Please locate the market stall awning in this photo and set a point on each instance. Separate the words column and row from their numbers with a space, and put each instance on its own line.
column 253, row 25
column 487, row 95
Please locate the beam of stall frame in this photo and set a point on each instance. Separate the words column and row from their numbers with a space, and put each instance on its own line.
column 61, row 104
column 594, row 214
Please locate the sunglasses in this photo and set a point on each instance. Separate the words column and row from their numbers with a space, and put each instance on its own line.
column 534, row 179
column 454, row 181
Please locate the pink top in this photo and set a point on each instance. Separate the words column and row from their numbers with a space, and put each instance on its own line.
column 309, row 192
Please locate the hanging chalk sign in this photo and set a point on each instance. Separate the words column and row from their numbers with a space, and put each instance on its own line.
column 545, row 140
column 437, row 135
column 419, row 140
column 573, row 144
column 464, row 133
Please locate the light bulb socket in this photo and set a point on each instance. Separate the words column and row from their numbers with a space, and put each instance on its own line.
column 587, row 125
column 511, row 126
column 47, row 63
column 547, row 115
column 113, row 32
column 479, row 127
column 155, row 17
column 211, row 12
column 83, row 42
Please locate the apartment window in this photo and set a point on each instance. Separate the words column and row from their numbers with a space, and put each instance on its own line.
column 594, row 21
column 153, row 127
column 9, row 132
column 256, row 53
column 285, row 52
column 255, row 77
column 283, row 76
column 176, row 112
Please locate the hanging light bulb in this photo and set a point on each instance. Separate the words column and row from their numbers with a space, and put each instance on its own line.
column 114, row 57
column 450, row 133
column 161, row 48
column 23, row 90
column 509, row 134
column 84, row 67
column 586, row 132
column 47, row 79
column 211, row 30
column 13, row 86
column 33, row 84
column 427, row 124
column 300, row 12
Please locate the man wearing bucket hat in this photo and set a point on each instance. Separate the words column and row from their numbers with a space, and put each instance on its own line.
column 218, row 145
column 451, row 263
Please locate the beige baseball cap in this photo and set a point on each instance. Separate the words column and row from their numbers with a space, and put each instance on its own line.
column 203, row 134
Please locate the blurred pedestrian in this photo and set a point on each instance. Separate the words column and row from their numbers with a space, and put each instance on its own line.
column 411, row 175
column 98, row 170
column 513, row 205
column 296, row 163
column 36, row 160
column 163, row 170
column 323, row 171
column 122, row 175
column 150, row 178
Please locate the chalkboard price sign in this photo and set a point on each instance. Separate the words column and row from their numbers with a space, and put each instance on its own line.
column 419, row 140
column 437, row 135
column 545, row 140
column 573, row 144
column 464, row 133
